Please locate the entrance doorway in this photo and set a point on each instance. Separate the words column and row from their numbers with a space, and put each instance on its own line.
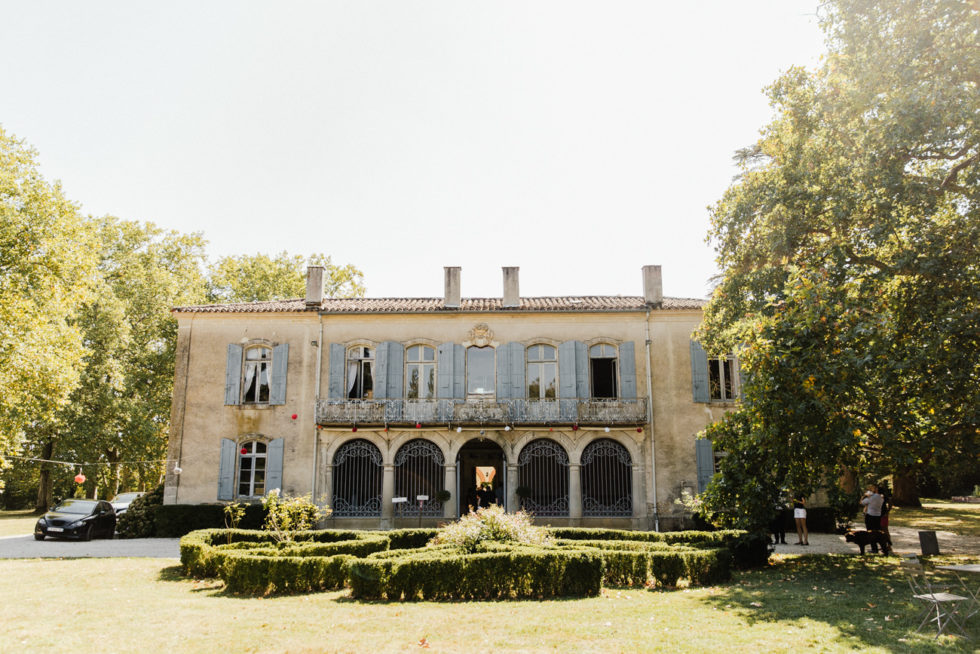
column 480, row 476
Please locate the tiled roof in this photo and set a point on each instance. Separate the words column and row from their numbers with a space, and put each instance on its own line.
column 564, row 304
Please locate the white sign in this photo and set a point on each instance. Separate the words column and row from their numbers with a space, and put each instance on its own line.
column 398, row 500
column 422, row 498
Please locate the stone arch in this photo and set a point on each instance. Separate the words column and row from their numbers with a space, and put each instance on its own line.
column 572, row 450
column 399, row 439
column 490, row 434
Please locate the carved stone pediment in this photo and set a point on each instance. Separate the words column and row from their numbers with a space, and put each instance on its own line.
column 481, row 336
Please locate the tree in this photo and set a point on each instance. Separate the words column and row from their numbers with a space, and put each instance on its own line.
column 119, row 414
column 850, row 254
column 250, row 278
column 46, row 274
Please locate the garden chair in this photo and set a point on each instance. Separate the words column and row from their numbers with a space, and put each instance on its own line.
column 939, row 605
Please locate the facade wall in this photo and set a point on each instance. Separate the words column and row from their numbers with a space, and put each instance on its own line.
column 662, row 454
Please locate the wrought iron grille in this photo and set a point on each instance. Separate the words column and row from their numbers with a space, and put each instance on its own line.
column 543, row 475
column 357, row 480
column 419, row 471
column 607, row 480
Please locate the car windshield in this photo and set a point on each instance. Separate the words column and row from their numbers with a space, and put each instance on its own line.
column 126, row 497
column 76, row 506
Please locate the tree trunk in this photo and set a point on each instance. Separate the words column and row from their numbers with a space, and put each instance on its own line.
column 905, row 491
column 45, row 482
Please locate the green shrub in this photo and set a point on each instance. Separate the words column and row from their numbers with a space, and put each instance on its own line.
column 403, row 539
column 138, row 521
column 286, row 515
column 243, row 572
column 490, row 523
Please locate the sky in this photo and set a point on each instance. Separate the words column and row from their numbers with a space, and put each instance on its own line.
column 579, row 140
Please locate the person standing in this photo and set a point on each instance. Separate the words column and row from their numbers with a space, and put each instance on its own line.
column 799, row 516
column 776, row 526
column 872, row 502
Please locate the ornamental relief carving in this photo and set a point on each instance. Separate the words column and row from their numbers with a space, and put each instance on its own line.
column 480, row 336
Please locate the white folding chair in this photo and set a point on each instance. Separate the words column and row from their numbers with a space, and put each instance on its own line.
column 939, row 606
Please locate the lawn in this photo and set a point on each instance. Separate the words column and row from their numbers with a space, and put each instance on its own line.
column 17, row 523
column 828, row 603
column 959, row 518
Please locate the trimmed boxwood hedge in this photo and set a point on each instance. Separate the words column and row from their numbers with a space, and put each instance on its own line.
column 396, row 565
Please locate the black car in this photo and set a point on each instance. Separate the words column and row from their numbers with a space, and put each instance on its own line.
column 83, row 519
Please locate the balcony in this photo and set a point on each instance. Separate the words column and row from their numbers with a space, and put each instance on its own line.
column 518, row 412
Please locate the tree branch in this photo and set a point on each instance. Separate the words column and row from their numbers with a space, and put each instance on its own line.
column 955, row 170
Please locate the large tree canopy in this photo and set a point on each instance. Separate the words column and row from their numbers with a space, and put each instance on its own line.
column 46, row 274
column 249, row 278
column 850, row 255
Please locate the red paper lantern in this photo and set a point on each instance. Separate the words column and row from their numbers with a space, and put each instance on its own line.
column 294, row 416
column 574, row 427
column 418, row 425
column 354, row 428
column 243, row 451
column 639, row 430
column 79, row 478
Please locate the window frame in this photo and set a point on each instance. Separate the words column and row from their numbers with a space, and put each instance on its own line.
column 261, row 365
column 254, row 457
column 492, row 392
column 541, row 363
column 617, row 393
column 358, row 382
column 421, row 364
column 717, row 364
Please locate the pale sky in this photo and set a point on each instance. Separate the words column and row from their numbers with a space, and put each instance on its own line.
column 578, row 140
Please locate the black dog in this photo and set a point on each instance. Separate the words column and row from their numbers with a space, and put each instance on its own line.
column 873, row 538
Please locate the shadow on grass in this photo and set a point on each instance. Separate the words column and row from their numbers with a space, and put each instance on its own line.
column 866, row 599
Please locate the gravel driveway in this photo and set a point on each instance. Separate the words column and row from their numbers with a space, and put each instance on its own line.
column 25, row 547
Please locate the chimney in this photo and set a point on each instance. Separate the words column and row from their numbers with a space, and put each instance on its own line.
column 452, row 287
column 314, row 286
column 512, row 287
column 653, row 286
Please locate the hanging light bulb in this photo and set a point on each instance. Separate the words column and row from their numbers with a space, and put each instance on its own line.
column 607, row 430
column 506, row 427
column 459, row 430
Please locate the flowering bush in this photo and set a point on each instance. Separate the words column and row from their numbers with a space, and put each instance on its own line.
column 285, row 515
column 491, row 524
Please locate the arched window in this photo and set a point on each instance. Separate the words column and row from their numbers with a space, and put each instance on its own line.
column 602, row 369
column 357, row 480
column 480, row 377
column 419, row 471
column 543, row 478
column 251, row 469
column 255, row 375
column 542, row 372
column 607, row 480
column 360, row 373
column 420, row 372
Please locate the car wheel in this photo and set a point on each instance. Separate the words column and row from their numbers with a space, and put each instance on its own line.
column 88, row 533
column 38, row 536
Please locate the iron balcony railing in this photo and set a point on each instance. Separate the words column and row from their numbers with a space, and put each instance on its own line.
column 482, row 412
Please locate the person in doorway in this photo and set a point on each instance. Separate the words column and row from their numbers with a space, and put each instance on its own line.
column 486, row 495
column 872, row 502
column 472, row 499
column 799, row 516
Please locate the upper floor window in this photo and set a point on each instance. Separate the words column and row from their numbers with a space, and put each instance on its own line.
column 360, row 373
column 251, row 469
column 602, row 368
column 542, row 372
column 255, row 382
column 420, row 372
column 480, row 378
column 722, row 378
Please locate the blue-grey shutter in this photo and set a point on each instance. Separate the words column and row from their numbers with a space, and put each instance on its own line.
column 627, row 371
column 699, row 373
column 381, row 371
column 233, row 374
column 566, row 370
column 582, row 371
column 335, row 383
column 517, row 387
column 459, row 372
column 444, row 371
column 396, row 369
column 280, row 360
column 273, row 466
column 705, row 461
column 226, row 470
column 503, row 372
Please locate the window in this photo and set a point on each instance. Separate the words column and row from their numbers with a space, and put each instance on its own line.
column 722, row 378
column 255, row 386
column 542, row 372
column 251, row 469
column 602, row 366
column 420, row 372
column 360, row 373
column 480, row 370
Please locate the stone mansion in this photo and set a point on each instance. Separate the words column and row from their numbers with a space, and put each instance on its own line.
column 403, row 411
